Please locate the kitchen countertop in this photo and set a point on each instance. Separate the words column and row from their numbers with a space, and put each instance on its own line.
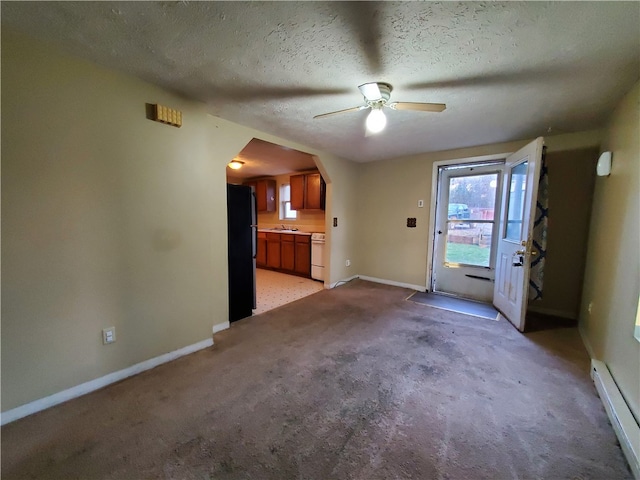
column 291, row 232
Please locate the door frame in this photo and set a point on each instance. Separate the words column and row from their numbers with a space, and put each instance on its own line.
column 434, row 198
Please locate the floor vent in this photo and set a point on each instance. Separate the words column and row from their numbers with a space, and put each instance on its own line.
column 622, row 420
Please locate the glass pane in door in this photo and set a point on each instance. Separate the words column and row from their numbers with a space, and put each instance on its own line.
column 471, row 247
column 470, row 221
column 515, row 202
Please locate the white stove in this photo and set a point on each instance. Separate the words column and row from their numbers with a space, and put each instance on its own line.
column 317, row 256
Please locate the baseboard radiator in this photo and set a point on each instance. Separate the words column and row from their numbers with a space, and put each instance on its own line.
column 622, row 420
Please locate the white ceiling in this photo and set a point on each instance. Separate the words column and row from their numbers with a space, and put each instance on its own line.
column 506, row 71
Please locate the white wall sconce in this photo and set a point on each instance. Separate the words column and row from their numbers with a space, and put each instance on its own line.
column 603, row 168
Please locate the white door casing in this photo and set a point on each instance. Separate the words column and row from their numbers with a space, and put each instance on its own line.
column 520, row 192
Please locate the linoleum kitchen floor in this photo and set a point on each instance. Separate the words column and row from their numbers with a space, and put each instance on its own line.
column 349, row 383
column 275, row 289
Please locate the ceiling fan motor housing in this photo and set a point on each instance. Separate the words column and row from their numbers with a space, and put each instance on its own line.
column 385, row 91
column 385, row 94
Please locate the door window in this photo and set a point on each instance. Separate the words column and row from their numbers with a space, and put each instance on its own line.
column 470, row 219
column 515, row 202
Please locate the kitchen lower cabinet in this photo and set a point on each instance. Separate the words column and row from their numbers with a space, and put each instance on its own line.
column 261, row 250
column 273, row 250
column 303, row 255
column 285, row 252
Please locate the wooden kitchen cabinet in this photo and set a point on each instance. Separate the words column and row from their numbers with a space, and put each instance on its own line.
column 265, row 194
column 308, row 191
column 303, row 255
column 296, row 183
column 261, row 250
column 273, row 250
column 314, row 192
column 287, row 252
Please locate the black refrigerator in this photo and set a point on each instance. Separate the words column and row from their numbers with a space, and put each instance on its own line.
column 242, row 232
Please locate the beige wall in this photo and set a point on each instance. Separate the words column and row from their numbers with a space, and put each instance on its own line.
column 389, row 193
column 342, row 201
column 307, row 221
column 612, row 277
column 101, row 221
column 571, row 179
column 110, row 219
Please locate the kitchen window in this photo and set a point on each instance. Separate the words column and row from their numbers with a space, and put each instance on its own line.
column 286, row 212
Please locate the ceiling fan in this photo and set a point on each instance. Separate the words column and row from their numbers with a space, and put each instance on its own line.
column 376, row 97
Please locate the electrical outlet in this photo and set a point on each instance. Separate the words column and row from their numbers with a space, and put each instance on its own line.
column 335, row 221
column 420, row 203
column 109, row 335
column 348, row 263
column 590, row 307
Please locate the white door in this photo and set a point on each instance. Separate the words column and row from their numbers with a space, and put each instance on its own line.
column 520, row 192
column 466, row 229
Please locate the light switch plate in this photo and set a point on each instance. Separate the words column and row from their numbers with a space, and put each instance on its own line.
column 108, row 335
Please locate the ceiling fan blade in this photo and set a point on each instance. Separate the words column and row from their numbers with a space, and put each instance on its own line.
column 420, row 107
column 346, row 110
column 371, row 91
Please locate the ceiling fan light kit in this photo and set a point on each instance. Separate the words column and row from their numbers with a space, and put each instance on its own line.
column 376, row 97
column 376, row 121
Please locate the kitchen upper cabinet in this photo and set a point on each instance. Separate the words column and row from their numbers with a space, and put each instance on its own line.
column 296, row 183
column 273, row 250
column 265, row 194
column 308, row 191
column 287, row 252
column 314, row 193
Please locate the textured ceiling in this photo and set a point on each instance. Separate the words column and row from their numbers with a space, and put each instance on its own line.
column 505, row 70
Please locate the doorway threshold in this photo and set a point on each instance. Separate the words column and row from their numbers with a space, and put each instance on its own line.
column 458, row 305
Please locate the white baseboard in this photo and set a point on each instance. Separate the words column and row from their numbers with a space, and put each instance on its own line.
column 551, row 311
column 221, row 326
column 98, row 383
column 622, row 420
column 420, row 288
column 340, row 282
